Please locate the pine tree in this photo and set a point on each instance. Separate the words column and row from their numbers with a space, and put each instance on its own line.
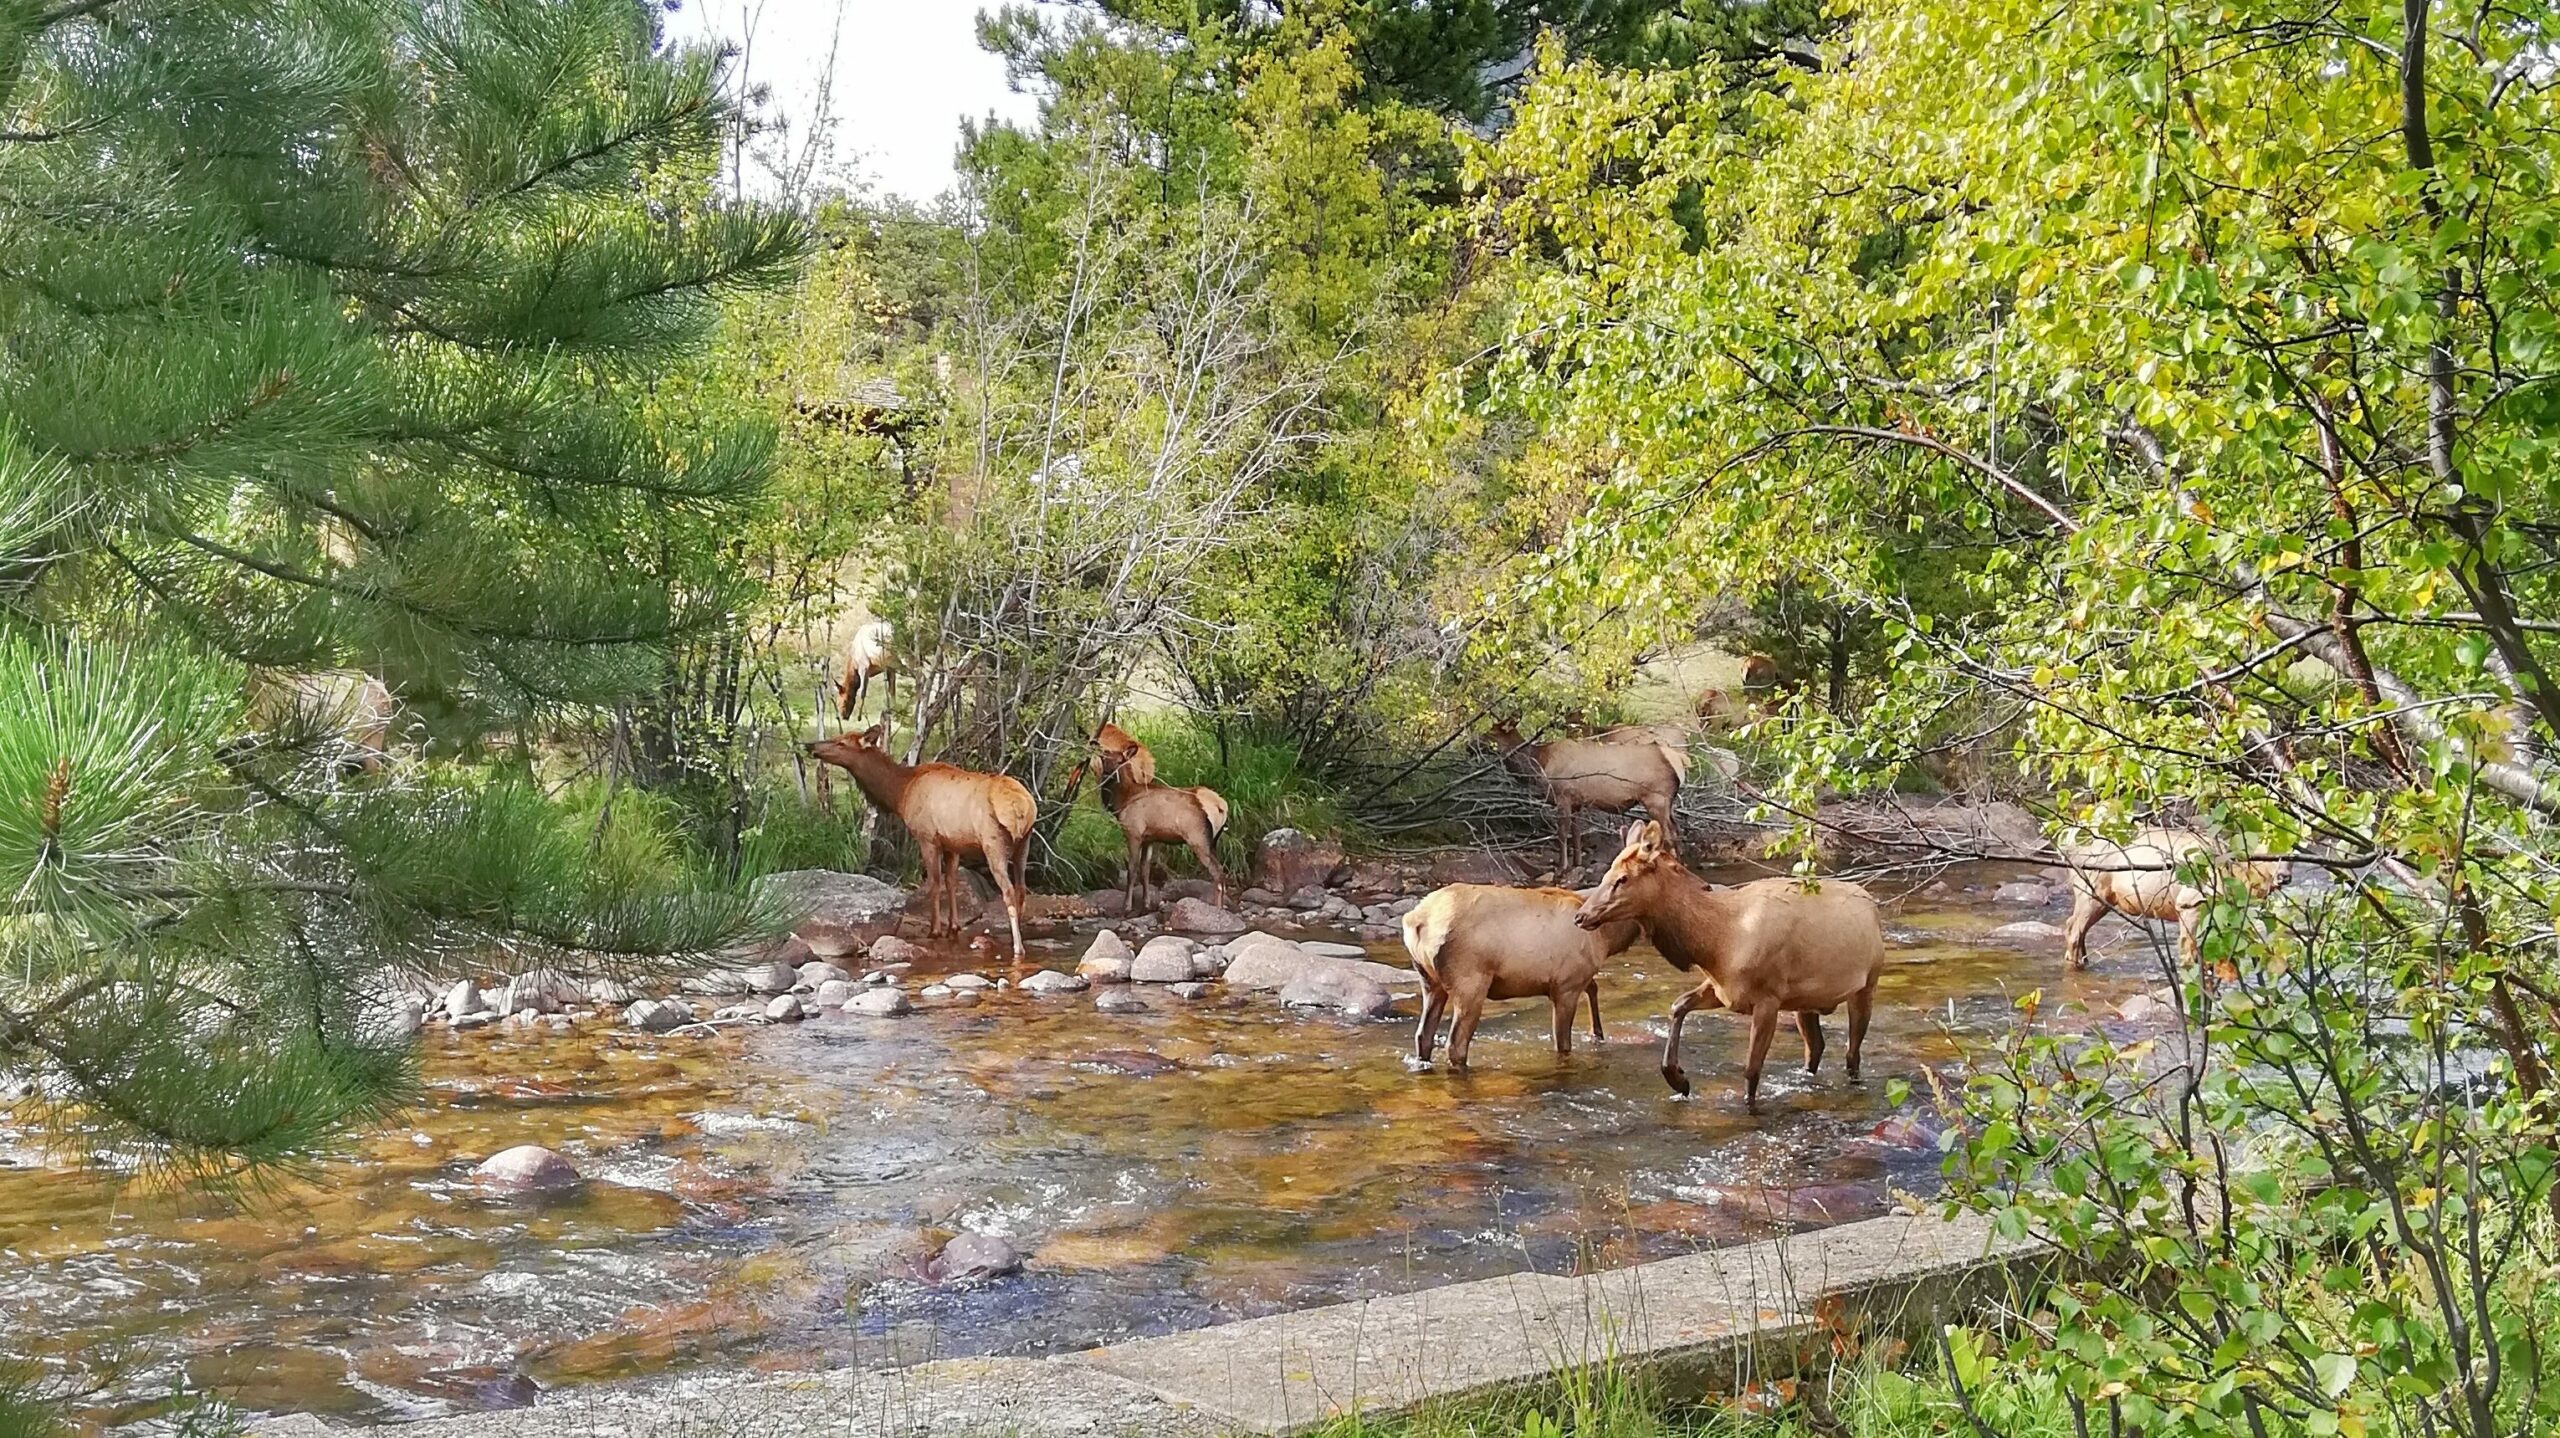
column 328, row 334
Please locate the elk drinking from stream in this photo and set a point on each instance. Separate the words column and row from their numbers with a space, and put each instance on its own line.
column 1769, row 947
column 952, row 812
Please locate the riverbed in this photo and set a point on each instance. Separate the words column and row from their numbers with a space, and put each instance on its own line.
column 766, row 1198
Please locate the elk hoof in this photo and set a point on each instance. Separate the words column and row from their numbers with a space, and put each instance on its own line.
column 1678, row 1080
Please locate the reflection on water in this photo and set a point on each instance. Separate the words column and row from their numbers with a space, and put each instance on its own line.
column 767, row 1197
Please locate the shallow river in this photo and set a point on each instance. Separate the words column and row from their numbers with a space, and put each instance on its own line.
column 766, row 1196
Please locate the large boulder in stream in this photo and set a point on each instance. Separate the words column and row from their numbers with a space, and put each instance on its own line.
column 840, row 913
column 1167, row 959
column 526, row 1171
column 1260, row 961
column 1199, row 916
column 1288, row 860
column 974, row 1258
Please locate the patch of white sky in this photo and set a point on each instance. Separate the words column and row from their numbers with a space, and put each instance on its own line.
column 891, row 81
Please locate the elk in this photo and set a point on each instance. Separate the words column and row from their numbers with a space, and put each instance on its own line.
column 2140, row 878
column 1767, row 948
column 1151, row 813
column 1473, row 942
column 1578, row 774
column 867, row 658
column 349, row 704
column 952, row 812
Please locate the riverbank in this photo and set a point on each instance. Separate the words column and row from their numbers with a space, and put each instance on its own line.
column 1718, row 1321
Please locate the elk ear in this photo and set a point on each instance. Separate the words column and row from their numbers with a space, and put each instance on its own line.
column 877, row 736
column 1635, row 835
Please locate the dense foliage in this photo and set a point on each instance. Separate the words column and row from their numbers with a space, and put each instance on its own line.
column 331, row 333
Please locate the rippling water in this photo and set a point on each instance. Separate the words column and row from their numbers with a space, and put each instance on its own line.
column 764, row 1199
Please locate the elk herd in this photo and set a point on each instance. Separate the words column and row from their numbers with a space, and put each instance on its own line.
column 1762, row 950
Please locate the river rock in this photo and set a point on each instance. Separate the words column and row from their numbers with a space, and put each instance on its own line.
column 462, row 1000
column 1189, row 989
column 1287, row 860
column 783, row 1008
column 719, row 983
column 2147, row 1009
column 1199, row 916
column 841, row 913
column 934, row 991
column 877, row 1003
column 969, row 982
column 402, row 1017
column 1109, row 903
column 1278, row 964
column 480, row 1020
column 1208, row 964
column 974, row 1258
column 610, row 991
column 1172, row 891
column 2025, row 931
column 656, row 1015
column 525, row 1170
column 1338, row 990
column 769, row 978
column 1119, row 1000
column 817, row 972
column 890, row 949
column 2024, row 891
column 1307, row 900
column 1259, row 898
column 1167, row 959
column 1050, row 981
column 1331, row 950
column 1107, row 959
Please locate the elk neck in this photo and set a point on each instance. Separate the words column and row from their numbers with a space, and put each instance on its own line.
column 883, row 780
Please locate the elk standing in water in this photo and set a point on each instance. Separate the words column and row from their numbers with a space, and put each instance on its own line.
column 1768, row 948
column 1577, row 774
column 1151, row 813
column 2140, row 878
column 952, row 812
column 1473, row 942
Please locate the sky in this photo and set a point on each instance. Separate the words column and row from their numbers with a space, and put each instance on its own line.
column 905, row 73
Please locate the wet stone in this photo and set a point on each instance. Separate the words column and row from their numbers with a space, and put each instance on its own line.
column 525, row 1169
column 877, row 1003
column 1167, row 959
column 1117, row 1000
column 2025, row 931
column 1199, row 916
column 462, row 1000
column 974, row 1258
column 769, row 978
column 890, row 949
column 970, row 981
column 832, row 994
column 819, row 971
column 934, row 991
column 1189, row 989
column 783, row 1008
column 2023, row 892
column 1050, row 981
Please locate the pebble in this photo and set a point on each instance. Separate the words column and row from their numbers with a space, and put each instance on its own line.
column 934, row 991
column 1050, row 981
column 783, row 1008
column 877, row 1003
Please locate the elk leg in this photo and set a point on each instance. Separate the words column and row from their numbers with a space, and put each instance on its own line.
column 1000, row 866
column 1660, row 809
column 1564, row 835
column 1672, row 1073
column 1133, row 883
column 1862, row 1004
column 932, row 889
column 1764, row 1027
column 2086, row 908
column 955, row 882
column 1208, row 857
column 1435, row 1003
column 1591, row 991
column 1809, row 1024
column 1560, row 1007
column 1462, row 1031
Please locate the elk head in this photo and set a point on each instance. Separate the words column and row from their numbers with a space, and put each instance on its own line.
column 1627, row 891
column 844, row 749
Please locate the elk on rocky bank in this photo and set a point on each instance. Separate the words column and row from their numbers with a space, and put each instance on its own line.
column 1769, row 947
column 1473, row 942
column 1151, row 813
column 1578, row 774
column 953, row 813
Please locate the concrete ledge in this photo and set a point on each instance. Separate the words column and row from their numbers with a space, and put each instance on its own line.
column 1690, row 1325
